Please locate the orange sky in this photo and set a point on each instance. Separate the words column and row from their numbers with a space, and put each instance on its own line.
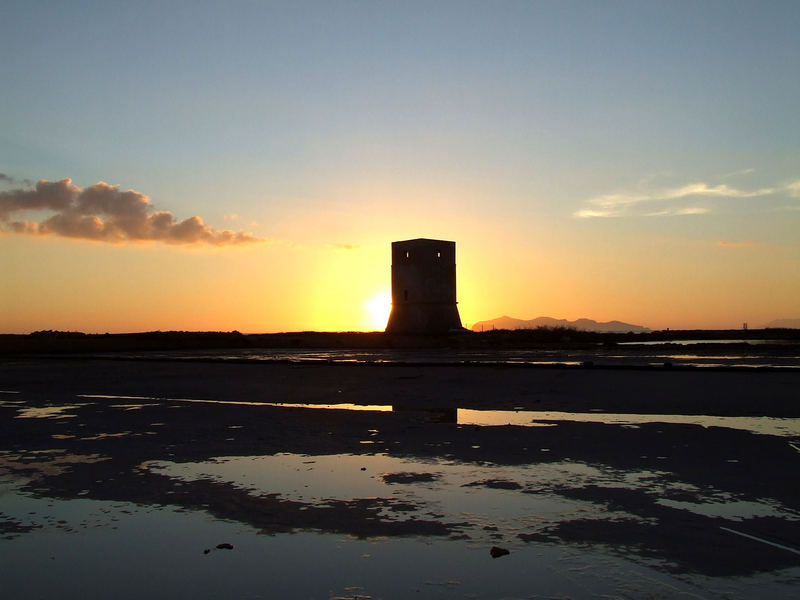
column 53, row 283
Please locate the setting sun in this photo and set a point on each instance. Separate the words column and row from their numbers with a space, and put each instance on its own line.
column 378, row 309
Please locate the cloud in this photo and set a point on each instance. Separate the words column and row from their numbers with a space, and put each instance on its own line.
column 104, row 213
column 669, row 200
column 732, row 244
column 747, row 171
column 715, row 191
column 677, row 212
column 13, row 180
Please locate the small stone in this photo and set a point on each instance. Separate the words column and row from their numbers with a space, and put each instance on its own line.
column 497, row 552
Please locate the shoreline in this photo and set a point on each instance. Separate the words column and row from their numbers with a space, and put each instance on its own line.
column 782, row 340
column 624, row 364
column 728, row 392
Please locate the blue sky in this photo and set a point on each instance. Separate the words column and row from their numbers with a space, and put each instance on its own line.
column 583, row 124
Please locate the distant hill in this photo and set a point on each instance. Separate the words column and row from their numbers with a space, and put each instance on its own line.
column 783, row 324
column 580, row 324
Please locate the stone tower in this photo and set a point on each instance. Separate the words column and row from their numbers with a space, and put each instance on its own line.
column 423, row 287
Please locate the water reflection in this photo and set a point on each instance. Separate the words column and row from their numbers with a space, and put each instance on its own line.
column 760, row 425
column 787, row 427
column 47, row 412
column 113, row 544
column 622, row 505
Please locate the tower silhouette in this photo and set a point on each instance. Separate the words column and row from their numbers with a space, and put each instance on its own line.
column 423, row 287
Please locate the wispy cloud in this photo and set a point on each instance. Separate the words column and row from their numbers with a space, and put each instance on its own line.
column 734, row 244
column 9, row 180
column 714, row 191
column 677, row 212
column 738, row 173
column 104, row 213
column 672, row 201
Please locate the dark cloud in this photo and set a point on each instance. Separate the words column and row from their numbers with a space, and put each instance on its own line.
column 102, row 212
column 12, row 180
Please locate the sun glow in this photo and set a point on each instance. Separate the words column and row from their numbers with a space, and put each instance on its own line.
column 378, row 309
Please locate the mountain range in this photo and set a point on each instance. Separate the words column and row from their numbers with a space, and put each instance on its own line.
column 505, row 322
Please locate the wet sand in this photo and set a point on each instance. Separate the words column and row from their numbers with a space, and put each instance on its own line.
column 687, row 500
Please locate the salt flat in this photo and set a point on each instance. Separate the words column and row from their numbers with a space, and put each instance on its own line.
column 111, row 469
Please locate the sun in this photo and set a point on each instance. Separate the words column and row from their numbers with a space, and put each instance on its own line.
column 378, row 308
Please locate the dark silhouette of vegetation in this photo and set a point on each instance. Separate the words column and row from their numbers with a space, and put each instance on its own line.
column 59, row 342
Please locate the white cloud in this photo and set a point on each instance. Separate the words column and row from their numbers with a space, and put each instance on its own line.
column 714, row 191
column 676, row 212
column 669, row 201
column 747, row 171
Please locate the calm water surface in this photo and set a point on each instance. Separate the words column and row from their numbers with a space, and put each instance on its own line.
column 129, row 497
column 638, row 354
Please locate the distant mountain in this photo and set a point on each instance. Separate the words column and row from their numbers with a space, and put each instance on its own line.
column 580, row 324
column 783, row 324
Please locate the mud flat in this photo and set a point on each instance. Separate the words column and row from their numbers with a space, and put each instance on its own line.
column 648, row 390
column 337, row 481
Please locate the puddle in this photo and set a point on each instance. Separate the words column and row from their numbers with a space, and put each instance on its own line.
column 391, row 507
column 489, row 505
column 48, row 412
column 103, row 436
column 36, row 463
column 785, row 427
column 507, row 498
column 733, row 509
column 341, row 406
column 121, row 541
column 760, row 425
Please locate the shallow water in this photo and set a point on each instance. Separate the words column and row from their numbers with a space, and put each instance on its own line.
column 787, row 427
column 111, row 496
column 760, row 425
column 623, row 354
column 94, row 548
column 99, row 550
